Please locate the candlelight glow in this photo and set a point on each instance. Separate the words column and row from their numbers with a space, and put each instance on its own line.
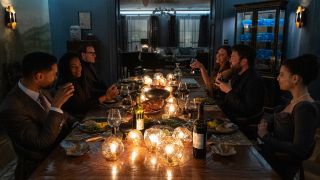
column 134, row 155
column 112, row 148
column 134, row 137
column 183, row 134
column 170, row 77
column 147, row 80
column 153, row 160
column 169, row 149
column 169, row 174
column 143, row 97
column 152, row 137
column 168, row 88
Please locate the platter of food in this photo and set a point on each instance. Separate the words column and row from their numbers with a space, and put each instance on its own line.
column 92, row 126
column 152, row 106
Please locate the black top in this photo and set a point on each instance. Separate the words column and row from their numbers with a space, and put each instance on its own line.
column 82, row 101
column 246, row 98
column 294, row 133
column 291, row 138
column 97, row 85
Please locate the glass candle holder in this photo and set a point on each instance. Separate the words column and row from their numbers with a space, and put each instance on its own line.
column 172, row 109
column 152, row 137
column 134, row 137
column 170, row 150
column 147, row 80
column 183, row 134
column 170, row 77
column 112, row 148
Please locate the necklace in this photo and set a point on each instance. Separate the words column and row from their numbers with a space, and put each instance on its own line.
column 294, row 101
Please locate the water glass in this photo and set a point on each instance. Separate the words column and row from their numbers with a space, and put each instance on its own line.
column 114, row 119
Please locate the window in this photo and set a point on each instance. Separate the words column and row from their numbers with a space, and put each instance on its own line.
column 189, row 31
column 137, row 30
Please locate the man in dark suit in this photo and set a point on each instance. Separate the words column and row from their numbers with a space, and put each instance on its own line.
column 98, row 87
column 244, row 98
column 32, row 118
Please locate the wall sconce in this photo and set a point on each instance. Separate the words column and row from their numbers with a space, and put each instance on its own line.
column 10, row 17
column 300, row 16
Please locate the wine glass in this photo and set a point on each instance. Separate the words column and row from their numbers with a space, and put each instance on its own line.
column 191, row 110
column 124, row 91
column 127, row 101
column 177, row 72
column 114, row 119
column 183, row 89
column 192, row 71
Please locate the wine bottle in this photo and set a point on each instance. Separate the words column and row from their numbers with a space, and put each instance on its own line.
column 139, row 116
column 199, row 135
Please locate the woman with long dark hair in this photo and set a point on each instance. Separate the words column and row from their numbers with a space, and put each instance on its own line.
column 83, row 100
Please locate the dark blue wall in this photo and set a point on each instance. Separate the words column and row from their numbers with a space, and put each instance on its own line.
column 64, row 13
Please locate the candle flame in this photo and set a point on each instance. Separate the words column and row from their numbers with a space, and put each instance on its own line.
column 169, row 149
column 113, row 148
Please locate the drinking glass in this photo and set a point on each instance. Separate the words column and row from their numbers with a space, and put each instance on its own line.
column 177, row 72
column 124, row 91
column 191, row 110
column 192, row 71
column 183, row 89
column 114, row 119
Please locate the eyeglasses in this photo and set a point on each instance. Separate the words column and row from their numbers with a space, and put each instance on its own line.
column 92, row 53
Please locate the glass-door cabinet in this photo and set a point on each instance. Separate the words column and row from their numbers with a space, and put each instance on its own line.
column 262, row 26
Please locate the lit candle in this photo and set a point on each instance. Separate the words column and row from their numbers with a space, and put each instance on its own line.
column 162, row 81
column 169, row 77
column 169, row 149
column 183, row 134
column 153, row 161
column 143, row 97
column 147, row 80
column 134, row 155
column 152, row 137
column 134, row 137
column 113, row 148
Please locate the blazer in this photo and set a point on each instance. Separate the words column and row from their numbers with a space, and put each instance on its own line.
column 97, row 86
column 33, row 132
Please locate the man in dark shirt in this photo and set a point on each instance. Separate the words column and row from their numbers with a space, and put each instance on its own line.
column 244, row 98
column 97, row 86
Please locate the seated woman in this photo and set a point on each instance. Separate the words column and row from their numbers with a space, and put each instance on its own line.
column 222, row 69
column 288, row 137
column 83, row 100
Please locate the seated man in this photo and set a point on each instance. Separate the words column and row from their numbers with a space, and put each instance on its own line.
column 244, row 98
column 32, row 118
column 96, row 85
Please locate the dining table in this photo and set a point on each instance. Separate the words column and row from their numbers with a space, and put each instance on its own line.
column 137, row 162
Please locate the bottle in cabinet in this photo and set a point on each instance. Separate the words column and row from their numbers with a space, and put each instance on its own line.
column 199, row 135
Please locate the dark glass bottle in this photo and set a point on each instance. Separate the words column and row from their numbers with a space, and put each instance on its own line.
column 199, row 135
